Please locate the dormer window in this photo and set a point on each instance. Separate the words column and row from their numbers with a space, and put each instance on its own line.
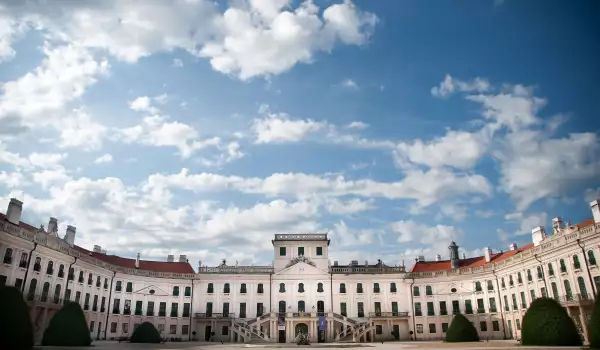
column 300, row 251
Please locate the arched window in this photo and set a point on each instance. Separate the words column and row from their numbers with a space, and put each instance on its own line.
column 301, row 306
column 281, row 287
column 188, row 291
column 550, row 269
column 243, row 288
column 98, row 281
column 210, row 289
column 50, row 268
column 554, row 290
column 591, row 257
column 45, row 291
column 540, row 273
column 32, row 288
column 582, row 288
column 80, row 277
column 416, row 291
column 576, row 263
column 90, row 279
column 503, row 285
column 300, row 287
column 342, row 288
column 176, row 291
column 226, row 288
column 281, row 306
column 563, row 267
column 510, row 281
column 529, row 277
column 37, row 266
column 57, row 294
column 519, row 278
column 129, row 287
column 61, row 271
column 359, row 288
column 568, row 292
column 8, row 256
column 319, row 287
column 118, row 286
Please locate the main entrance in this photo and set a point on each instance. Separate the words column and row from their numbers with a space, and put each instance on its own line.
column 301, row 328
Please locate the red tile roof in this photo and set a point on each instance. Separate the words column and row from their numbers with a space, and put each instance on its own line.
column 155, row 266
column 431, row 266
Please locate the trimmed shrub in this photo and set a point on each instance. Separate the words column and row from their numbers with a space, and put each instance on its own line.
column 68, row 327
column 145, row 333
column 16, row 330
column 547, row 323
column 461, row 330
column 594, row 326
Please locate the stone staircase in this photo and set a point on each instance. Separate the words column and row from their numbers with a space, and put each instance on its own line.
column 353, row 328
column 248, row 333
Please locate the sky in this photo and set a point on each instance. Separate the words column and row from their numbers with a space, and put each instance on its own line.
column 204, row 128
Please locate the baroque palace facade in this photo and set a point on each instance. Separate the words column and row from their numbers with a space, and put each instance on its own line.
column 301, row 292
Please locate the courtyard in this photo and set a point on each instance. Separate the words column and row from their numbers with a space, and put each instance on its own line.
column 424, row 345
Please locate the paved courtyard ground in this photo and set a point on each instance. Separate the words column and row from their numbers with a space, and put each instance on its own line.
column 420, row 345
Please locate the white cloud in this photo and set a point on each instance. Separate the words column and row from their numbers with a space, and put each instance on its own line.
column 357, row 125
column 177, row 63
column 436, row 237
column 78, row 130
column 527, row 222
column 592, row 194
column 351, row 206
column 450, row 85
column 349, row 83
column 143, row 104
column 105, row 158
column 279, row 127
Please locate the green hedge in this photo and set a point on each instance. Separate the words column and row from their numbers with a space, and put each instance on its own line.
column 145, row 333
column 16, row 330
column 594, row 326
column 68, row 327
column 461, row 330
column 547, row 323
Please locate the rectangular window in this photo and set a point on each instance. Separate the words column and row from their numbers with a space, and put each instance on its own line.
column 242, row 310
column 116, row 306
column 173, row 329
column 282, row 251
column 185, row 329
column 393, row 288
column 496, row 326
column 416, row 291
column 443, row 310
column 378, row 329
column 259, row 309
column 300, row 251
column 430, row 310
column 419, row 328
column 174, row 309
column 91, row 326
column 480, row 306
column 77, row 296
column 523, row 300
column 493, row 305
column 444, row 327
column 428, row 290
column 483, row 326
column 150, row 309
column 224, row 330
column 319, row 251
column 543, row 292
column 394, row 308
column 225, row 309
column 432, row 328
column 361, row 309
column 418, row 309
column 113, row 327
column 468, row 307
column 518, row 323
column 532, row 292
column 260, row 289
column 138, row 307
column 455, row 307
column 343, row 309
column 162, row 309
column 209, row 309
column 125, row 328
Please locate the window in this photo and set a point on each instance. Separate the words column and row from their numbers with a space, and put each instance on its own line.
column 419, row 328
column 568, row 292
column 80, row 279
column 443, row 310
column 225, row 330
column 432, row 328
column 393, row 288
column 430, row 309
column 529, row 277
column 129, row 288
column 175, row 310
column 582, row 287
column 554, row 290
column 186, row 310
column 576, row 263
column 468, row 307
column 320, row 308
column 359, row 288
column 343, row 310
column 361, row 309
column 282, row 306
column 23, row 262
column 32, row 288
column 510, row 281
column 496, row 326
column 300, row 251
column 116, row 305
column 86, row 301
column 506, row 307
column 91, row 326
column 173, row 329
column 503, row 285
column 260, row 289
column 563, row 267
column 444, row 327
column 319, row 287
column 478, row 287
column 300, row 287
column 125, row 328
column 378, row 329
column 113, row 327
column 282, row 251
column 226, row 289
column 418, row 311
column 243, row 289
column 490, row 285
column 188, row 291
column 301, row 306
column 281, row 287
column 101, row 303
column 118, row 287
column 455, row 307
column 493, row 305
column 483, row 326
column 428, row 290
column 19, row 283
column 185, row 329
column 209, row 309
column 480, row 306
column 45, row 291
column 37, row 266
column 210, row 288
column 532, row 294
column 162, row 309
column 376, row 288
column 342, row 288
column 259, row 309
column 514, row 301
column 8, row 256
column 543, row 292
column 319, row 251
column 519, row 278
column 416, row 292
column 138, row 307
column 90, row 279
column 394, row 308
column 550, row 269
column 49, row 268
column 98, row 282
column 175, row 291
column 591, row 257
column 106, row 283
column 518, row 323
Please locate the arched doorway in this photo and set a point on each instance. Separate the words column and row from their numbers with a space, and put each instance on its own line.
column 301, row 328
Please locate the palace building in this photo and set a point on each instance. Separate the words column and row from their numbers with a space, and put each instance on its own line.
column 301, row 291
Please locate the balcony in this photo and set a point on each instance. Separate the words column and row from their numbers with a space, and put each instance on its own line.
column 575, row 299
column 215, row 315
column 388, row 314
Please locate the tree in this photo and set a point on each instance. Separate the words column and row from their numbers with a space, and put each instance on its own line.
column 68, row 327
column 547, row 323
column 16, row 330
column 594, row 326
column 461, row 330
column 145, row 333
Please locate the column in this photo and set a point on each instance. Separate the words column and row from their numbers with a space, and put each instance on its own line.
column 583, row 320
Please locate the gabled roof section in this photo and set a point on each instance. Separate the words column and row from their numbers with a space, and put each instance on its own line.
column 432, row 266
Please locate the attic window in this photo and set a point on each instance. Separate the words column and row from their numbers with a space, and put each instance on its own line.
column 453, row 290
column 151, row 291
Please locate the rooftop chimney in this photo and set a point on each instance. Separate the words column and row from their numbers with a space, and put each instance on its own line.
column 137, row 261
column 13, row 213
column 595, row 206
column 464, row 256
column 366, row 263
column 182, row 258
column 335, row 263
column 438, row 257
column 199, row 265
column 421, row 258
column 70, row 235
column 453, row 255
column 557, row 225
column 97, row 249
column 537, row 235
column 170, row 258
column 53, row 227
column 488, row 254
column 512, row 246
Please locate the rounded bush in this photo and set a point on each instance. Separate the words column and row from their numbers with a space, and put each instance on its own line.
column 68, row 327
column 461, row 330
column 145, row 333
column 594, row 326
column 547, row 323
column 16, row 330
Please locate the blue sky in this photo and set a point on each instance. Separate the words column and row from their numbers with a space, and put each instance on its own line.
column 396, row 126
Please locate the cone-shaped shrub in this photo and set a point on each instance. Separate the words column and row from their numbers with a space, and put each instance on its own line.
column 547, row 323
column 594, row 326
column 145, row 333
column 16, row 330
column 68, row 327
column 461, row 330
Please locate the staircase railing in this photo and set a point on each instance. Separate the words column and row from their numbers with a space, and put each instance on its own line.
column 243, row 327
